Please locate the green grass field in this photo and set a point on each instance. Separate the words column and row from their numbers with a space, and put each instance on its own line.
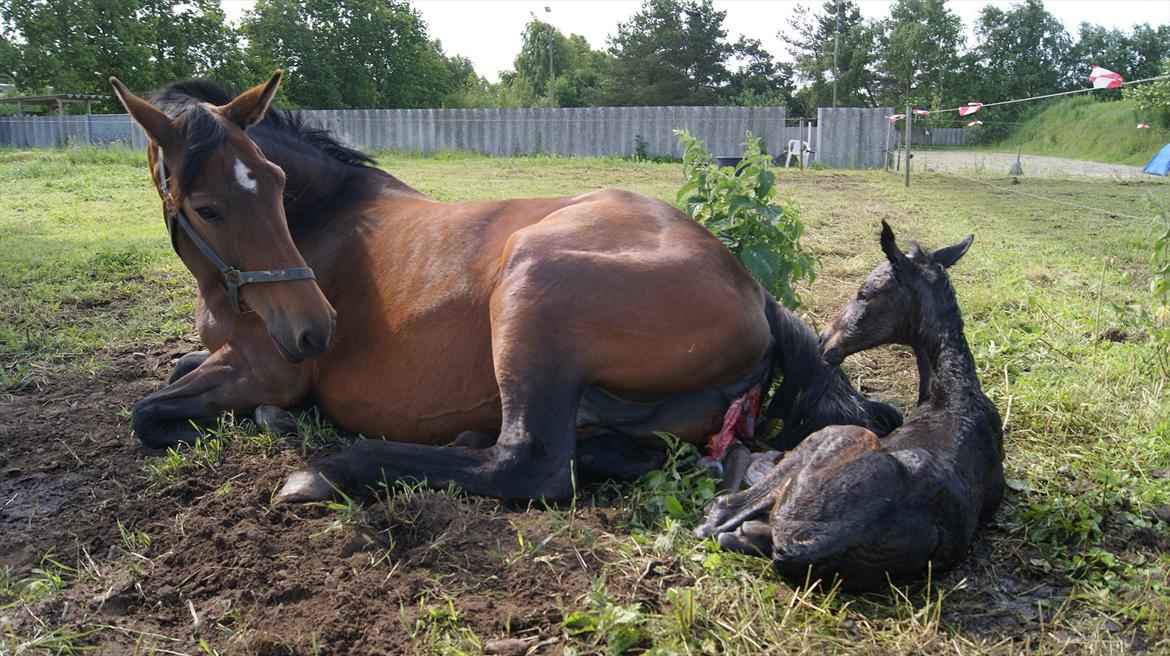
column 1083, row 127
column 1075, row 562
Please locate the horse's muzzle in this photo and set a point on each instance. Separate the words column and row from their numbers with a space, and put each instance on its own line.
column 309, row 343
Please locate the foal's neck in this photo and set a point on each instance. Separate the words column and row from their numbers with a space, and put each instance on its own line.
column 945, row 362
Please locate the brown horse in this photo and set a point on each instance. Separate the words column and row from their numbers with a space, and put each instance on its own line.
column 545, row 332
column 846, row 503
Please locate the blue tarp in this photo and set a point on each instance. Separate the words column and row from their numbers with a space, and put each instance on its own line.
column 1160, row 165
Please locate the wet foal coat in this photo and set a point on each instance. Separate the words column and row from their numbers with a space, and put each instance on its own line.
column 550, row 330
column 847, row 503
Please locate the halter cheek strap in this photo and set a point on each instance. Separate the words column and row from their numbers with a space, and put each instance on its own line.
column 233, row 277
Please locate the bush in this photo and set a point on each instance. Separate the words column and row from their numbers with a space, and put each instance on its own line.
column 739, row 206
column 1153, row 98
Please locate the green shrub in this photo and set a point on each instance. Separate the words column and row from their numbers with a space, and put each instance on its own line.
column 738, row 204
column 1153, row 98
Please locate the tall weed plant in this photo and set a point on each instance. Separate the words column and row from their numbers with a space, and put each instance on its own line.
column 739, row 205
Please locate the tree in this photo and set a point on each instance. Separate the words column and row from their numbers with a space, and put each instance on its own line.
column 761, row 80
column 351, row 53
column 919, row 52
column 73, row 46
column 672, row 52
column 576, row 66
column 810, row 40
column 1022, row 52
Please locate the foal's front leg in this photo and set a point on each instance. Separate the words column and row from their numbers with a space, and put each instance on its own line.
column 232, row 379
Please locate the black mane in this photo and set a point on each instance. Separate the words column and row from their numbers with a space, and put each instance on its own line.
column 183, row 102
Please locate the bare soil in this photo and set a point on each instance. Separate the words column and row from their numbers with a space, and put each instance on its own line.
column 225, row 566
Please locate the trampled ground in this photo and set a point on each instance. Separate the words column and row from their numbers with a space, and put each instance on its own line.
column 109, row 546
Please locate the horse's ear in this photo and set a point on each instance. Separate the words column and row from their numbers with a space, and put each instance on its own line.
column 249, row 107
column 951, row 254
column 153, row 120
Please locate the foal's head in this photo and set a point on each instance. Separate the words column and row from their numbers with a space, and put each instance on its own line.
column 892, row 302
column 232, row 197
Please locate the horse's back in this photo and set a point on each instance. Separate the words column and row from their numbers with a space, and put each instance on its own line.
column 652, row 301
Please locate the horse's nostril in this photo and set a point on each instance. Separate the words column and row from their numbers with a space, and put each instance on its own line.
column 311, row 343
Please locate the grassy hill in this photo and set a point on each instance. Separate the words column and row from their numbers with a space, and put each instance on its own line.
column 1085, row 128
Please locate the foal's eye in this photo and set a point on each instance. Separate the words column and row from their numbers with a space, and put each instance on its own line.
column 208, row 214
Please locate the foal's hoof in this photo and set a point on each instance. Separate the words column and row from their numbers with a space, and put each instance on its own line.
column 303, row 486
column 274, row 420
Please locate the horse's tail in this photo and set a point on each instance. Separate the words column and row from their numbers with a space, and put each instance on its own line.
column 811, row 393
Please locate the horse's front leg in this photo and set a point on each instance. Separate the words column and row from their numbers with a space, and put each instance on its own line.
column 232, row 379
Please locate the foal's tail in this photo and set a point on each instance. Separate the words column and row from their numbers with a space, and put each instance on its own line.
column 813, row 394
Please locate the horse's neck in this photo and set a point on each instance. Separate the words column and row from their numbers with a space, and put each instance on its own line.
column 317, row 183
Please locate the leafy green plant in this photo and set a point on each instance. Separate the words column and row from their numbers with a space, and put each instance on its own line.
column 617, row 626
column 1153, row 99
column 676, row 491
column 739, row 205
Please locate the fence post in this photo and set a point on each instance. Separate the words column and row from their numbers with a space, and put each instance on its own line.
column 909, row 135
column 886, row 152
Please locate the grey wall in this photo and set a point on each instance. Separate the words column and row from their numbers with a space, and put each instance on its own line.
column 851, row 137
column 592, row 131
column 844, row 137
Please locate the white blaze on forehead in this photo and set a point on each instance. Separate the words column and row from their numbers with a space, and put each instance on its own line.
column 244, row 177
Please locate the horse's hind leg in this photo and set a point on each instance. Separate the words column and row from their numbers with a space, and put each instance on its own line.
column 530, row 460
column 605, row 455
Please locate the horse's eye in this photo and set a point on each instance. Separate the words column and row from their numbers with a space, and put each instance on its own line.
column 208, row 214
column 861, row 296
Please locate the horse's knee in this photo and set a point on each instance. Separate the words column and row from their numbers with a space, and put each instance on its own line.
column 188, row 363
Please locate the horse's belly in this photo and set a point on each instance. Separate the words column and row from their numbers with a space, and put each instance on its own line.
column 423, row 386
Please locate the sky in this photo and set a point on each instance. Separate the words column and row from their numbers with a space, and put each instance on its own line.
column 488, row 31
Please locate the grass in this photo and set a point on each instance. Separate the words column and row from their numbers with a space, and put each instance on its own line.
column 1075, row 563
column 1083, row 127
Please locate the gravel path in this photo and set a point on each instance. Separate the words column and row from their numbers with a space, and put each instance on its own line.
column 977, row 162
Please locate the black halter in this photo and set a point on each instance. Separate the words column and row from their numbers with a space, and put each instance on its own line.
column 233, row 277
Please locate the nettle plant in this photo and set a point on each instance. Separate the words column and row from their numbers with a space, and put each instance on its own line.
column 739, row 205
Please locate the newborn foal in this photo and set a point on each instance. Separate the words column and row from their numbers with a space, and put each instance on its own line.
column 844, row 502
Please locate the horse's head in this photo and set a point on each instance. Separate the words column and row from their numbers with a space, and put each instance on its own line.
column 889, row 307
column 220, row 190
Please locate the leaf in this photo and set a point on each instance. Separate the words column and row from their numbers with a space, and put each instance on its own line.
column 673, row 507
column 760, row 261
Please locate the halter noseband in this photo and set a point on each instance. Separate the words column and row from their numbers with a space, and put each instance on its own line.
column 233, row 277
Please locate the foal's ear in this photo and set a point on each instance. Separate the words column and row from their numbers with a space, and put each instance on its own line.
column 890, row 246
column 249, row 107
column 154, row 121
column 951, row 254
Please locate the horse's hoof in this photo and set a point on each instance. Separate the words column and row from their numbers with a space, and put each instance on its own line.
column 304, row 486
column 274, row 420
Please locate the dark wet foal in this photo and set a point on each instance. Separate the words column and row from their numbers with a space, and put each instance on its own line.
column 847, row 503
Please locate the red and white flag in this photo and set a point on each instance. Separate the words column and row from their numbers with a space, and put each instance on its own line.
column 974, row 123
column 970, row 109
column 896, row 117
column 922, row 112
column 1103, row 78
column 1143, row 126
